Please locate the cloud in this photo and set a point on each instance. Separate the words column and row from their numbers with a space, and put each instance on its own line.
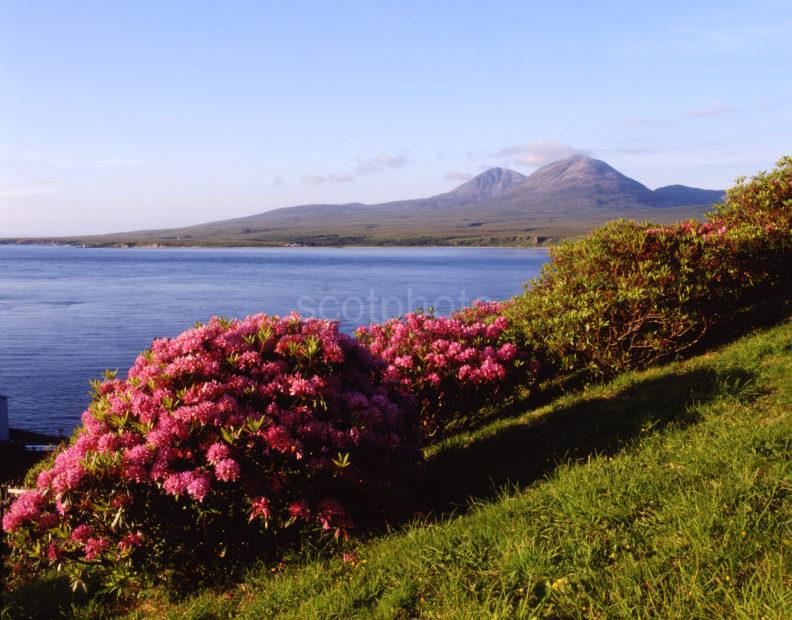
column 456, row 175
column 708, row 111
column 392, row 161
column 626, row 150
column 378, row 164
column 538, row 153
column 313, row 179
column 10, row 193
column 716, row 109
column 319, row 179
column 643, row 121
column 738, row 37
column 343, row 177
column 278, row 181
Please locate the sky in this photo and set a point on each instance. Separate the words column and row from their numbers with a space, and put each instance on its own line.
column 126, row 115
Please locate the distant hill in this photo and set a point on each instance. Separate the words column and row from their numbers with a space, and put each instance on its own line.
column 681, row 194
column 499, row 206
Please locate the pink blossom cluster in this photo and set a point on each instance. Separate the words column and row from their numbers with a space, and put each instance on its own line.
column 451, row 365
column 705, row 230
column 269, row 422
column 26, row 508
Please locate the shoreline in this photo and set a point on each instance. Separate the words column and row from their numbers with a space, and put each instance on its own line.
column 162, row 246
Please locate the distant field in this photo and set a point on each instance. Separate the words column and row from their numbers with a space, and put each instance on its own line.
column 455, row 228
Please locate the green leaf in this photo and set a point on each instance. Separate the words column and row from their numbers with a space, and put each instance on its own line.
column 117, row 518
column 342, row 460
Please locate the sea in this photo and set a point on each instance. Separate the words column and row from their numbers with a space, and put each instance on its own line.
column 68, row 313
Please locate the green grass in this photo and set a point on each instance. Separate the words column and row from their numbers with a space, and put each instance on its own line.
column 413, row 227
column 661, row 494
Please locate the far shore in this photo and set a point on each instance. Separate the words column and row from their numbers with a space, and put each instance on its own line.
column 166, row 246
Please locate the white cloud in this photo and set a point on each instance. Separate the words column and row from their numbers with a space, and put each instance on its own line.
column 643, row 121
column 366, row 165
column 313, row 179
column 10, row 193
column 538, row 153
column 379, row 163
column 392, row 161
column 707, row 111
column 716, row 109
column 738, row 37
column 319, row 179
column 343, row 177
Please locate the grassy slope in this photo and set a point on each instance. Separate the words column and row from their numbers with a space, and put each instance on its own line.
column 410, row 228
column 664, row 493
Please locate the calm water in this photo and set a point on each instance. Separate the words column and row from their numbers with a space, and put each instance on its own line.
column 67, row 313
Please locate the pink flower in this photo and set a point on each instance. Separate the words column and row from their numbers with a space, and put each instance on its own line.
column 130, row 541
column 81, row 533
column 279, row 438
column 217, row 452
column 300, row 387
column 227, row 470
column 299, row 510
column 108, row 442
column 94, row 547
column 404, row 361
column 27, row 507
column 44, row 480
column 508, row 351
column 175, row 484
column 135, row 460
column 259, row 507
column 198, row 486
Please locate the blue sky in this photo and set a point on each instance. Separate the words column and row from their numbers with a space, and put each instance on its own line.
column 123, row 115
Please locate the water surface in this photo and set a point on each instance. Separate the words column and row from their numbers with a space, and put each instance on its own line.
column 67, row 313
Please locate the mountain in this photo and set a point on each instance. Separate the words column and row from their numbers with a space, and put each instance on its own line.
column 683, row 195
column 492, row 183
column 585, row 181
column 499, row 206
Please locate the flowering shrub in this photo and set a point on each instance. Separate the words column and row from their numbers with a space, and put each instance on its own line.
column 452, row 366
column 629, row 295
column 222, row 440
column 764, row 202
column 758, row 213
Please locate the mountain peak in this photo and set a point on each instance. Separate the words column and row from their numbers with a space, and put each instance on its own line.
column 489, row 184
column 579, row 164
column 577, row 170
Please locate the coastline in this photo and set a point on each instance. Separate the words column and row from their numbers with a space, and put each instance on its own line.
column 340, row 246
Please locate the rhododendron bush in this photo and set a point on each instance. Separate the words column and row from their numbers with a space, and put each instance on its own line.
column 630, row 294
column 451, row 365
column 222, row 440
column 758, row 212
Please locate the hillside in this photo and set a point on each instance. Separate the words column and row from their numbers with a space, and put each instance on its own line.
column 663, row 493
column 499, row 206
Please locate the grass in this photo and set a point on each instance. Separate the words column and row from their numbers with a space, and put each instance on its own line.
column 397, row 227
column 664, row 493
